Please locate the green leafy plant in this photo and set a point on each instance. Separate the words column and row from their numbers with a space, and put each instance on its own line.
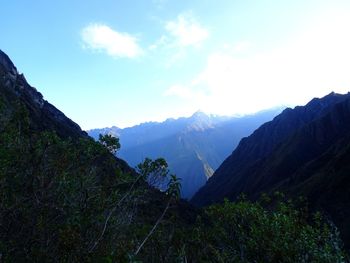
column 110, row 142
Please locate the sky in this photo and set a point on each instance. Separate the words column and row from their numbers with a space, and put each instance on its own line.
column 123, row 62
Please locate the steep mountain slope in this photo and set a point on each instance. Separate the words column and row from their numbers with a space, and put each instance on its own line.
column 325, row 181
column 64, row 197
column 44, row 114
column 300, row 152
column 194, row 147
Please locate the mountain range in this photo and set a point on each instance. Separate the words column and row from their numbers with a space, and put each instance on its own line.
column 67, row 198
column 194, row 147
column 304, row 151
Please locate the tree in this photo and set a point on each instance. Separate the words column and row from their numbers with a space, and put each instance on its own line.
column 154, row 172
column 110, row 142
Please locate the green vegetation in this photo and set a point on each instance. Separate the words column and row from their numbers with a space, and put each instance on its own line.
column 70, row 200
column 247, row 232
column 154, row 172
column 110, row 142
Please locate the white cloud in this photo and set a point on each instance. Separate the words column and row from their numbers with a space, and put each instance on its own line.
column 312, row 64
column 180, row 34
column 116, row 44
column 186, row 31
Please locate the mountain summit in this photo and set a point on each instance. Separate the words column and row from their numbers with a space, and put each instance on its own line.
column 200, row 121
column 194, row 147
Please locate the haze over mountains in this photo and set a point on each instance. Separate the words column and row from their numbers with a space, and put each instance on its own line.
column 194, row 147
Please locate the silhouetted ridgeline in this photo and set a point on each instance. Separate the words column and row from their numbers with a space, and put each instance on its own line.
column 303, row 151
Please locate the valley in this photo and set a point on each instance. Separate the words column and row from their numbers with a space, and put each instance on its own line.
column 194, row 147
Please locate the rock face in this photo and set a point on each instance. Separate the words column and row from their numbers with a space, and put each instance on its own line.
column 193, row 147
column 44, row 114
column 303, row 151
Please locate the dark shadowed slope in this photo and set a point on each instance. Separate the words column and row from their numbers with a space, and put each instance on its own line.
column 260, row 145
column 44, row 114
column 64, row 197
column 300, row 152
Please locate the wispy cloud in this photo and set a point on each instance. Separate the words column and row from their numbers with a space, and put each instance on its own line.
column 186, row 30
column 180, row 35
column 102, row 38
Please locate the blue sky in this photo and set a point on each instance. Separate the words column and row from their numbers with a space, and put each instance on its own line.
column 120, row 63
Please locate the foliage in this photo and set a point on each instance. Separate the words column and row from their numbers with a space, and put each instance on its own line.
column 243, row 231
column 174, row 187
column 68, row 200
column 110, row 142
column 155, row 172
column 246, row 231
column 55, row 194
column 158, row 170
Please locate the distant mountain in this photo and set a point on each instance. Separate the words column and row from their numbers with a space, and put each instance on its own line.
column 303, row 151
column 193, row 147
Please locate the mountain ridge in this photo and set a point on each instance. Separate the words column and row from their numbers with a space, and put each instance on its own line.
column 262, row 141
column 49, row 116
column 307, row 152
column 194, row 147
